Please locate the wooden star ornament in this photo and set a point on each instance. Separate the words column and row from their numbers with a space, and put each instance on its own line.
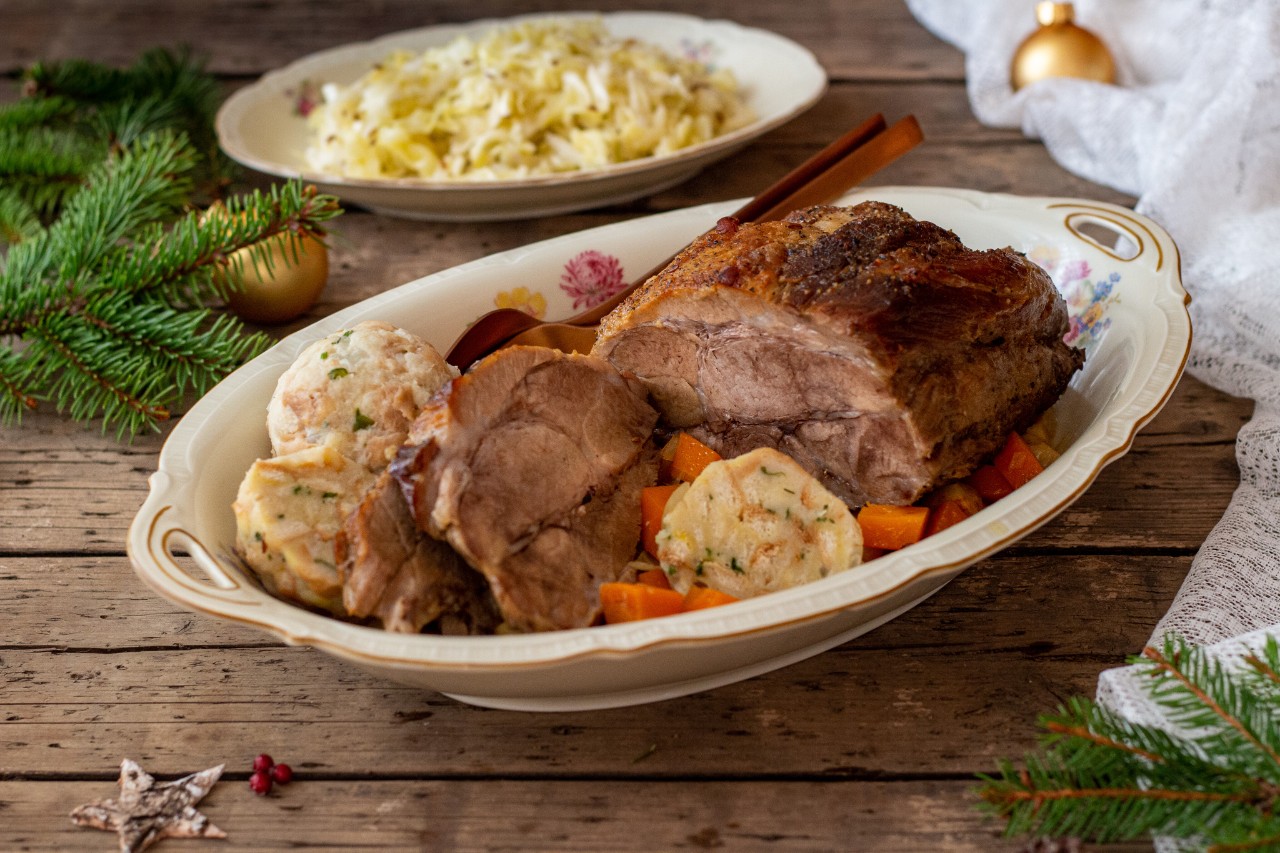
column 145, row 812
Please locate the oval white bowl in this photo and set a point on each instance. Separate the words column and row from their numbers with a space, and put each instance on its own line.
column 261, row 126
column 1130, row 313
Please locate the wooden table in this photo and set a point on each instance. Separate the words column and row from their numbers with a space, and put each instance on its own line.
column 871, row 746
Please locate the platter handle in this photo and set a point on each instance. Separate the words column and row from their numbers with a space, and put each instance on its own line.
column 176, row 564
column 1119, row 232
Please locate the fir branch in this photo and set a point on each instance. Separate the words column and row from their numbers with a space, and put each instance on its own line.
column 45, row 165
column 109, row 277
column 35, row 112
column 112, row 108
column 15, row 375
column 118, row 333
column 1101, row 777
column 1199, row 696
column 18, row 220
column 46, row 275
column 149, row 181
column 87, row 376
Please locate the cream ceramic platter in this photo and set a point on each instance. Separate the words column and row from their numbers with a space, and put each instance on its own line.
column 1128, row 311
column 263, row 126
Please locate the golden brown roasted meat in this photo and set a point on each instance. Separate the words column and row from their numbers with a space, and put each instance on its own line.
column 530, row 466
column 407, row 581
column 875, row 349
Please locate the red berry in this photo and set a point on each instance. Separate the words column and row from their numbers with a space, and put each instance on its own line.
column 263, row 763
column 260, row 783
column 282, row 774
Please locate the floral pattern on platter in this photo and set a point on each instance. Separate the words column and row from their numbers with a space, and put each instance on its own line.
column 1088, row 294
column 523, row 299
column 702, row 52
column 305, row 98
column 592, row 277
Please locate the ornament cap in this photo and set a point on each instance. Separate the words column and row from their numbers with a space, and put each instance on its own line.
column 1049, row 13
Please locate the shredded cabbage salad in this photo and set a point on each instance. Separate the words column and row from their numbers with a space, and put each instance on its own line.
column 536, row 98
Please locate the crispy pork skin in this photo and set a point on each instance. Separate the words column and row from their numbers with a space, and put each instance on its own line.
column 531, row 465
column 406, row 580
column 874, row 348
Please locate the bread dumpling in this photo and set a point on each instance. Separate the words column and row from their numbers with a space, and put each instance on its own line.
column 753, row 524
column 357, row 391
column 288, row 511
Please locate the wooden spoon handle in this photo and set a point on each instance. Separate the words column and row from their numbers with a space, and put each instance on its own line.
column 765, row 205
column 847, row 171
column 824, row 177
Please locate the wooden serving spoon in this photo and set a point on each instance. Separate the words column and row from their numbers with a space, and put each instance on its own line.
column 824, row 177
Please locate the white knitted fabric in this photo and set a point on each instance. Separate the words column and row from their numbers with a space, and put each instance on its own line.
column 1193, row 130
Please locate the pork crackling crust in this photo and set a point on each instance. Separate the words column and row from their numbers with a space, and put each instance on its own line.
column 874, row 348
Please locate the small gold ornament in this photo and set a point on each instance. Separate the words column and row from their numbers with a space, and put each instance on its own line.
column 1060, row 48
column 276, row 280
column 286, row 287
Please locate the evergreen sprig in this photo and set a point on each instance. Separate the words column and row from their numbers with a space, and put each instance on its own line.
column 116, row 106
column 110, row 273
column 1213, row 778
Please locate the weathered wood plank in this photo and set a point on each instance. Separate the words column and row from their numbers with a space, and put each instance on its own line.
column 888, row 817
column 928, row 692
column 83, row 604
column 882, row 41
column 97, row 603
column 872, row 715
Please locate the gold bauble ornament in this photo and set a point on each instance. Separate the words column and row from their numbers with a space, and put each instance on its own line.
column 1060, row 48
column 279, row 291
column 279, row 285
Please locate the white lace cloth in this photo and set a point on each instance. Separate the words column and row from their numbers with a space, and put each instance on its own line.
column 1193, row 130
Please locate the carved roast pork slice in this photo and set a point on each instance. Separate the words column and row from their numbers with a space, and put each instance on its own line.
column 530, row 465
column 393, row 572
column 875, row 349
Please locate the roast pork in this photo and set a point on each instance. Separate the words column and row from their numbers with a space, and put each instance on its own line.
column 530, row 466
column 406, row 580
column 874, row 348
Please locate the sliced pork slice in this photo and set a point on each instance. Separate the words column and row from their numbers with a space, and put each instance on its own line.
column 400, row 576
column 875, row 349
column 531, row 466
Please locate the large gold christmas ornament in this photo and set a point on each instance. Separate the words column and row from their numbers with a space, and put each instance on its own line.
column 283, row 288
column 1060, row 48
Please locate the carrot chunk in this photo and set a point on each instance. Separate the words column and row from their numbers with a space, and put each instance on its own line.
column 653, row 502
column 962, row 493
column 702, row 597
column 1017, row 462
column 654, row 577
column 989, row 483
column 944, row 515
column 629, row 602
column 892, row 527
column 688, row 457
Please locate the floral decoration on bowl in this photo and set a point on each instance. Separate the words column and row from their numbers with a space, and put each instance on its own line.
column 1088, row 294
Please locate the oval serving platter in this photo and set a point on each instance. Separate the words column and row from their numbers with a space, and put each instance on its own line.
column 264, row 125
column 1128, row 310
